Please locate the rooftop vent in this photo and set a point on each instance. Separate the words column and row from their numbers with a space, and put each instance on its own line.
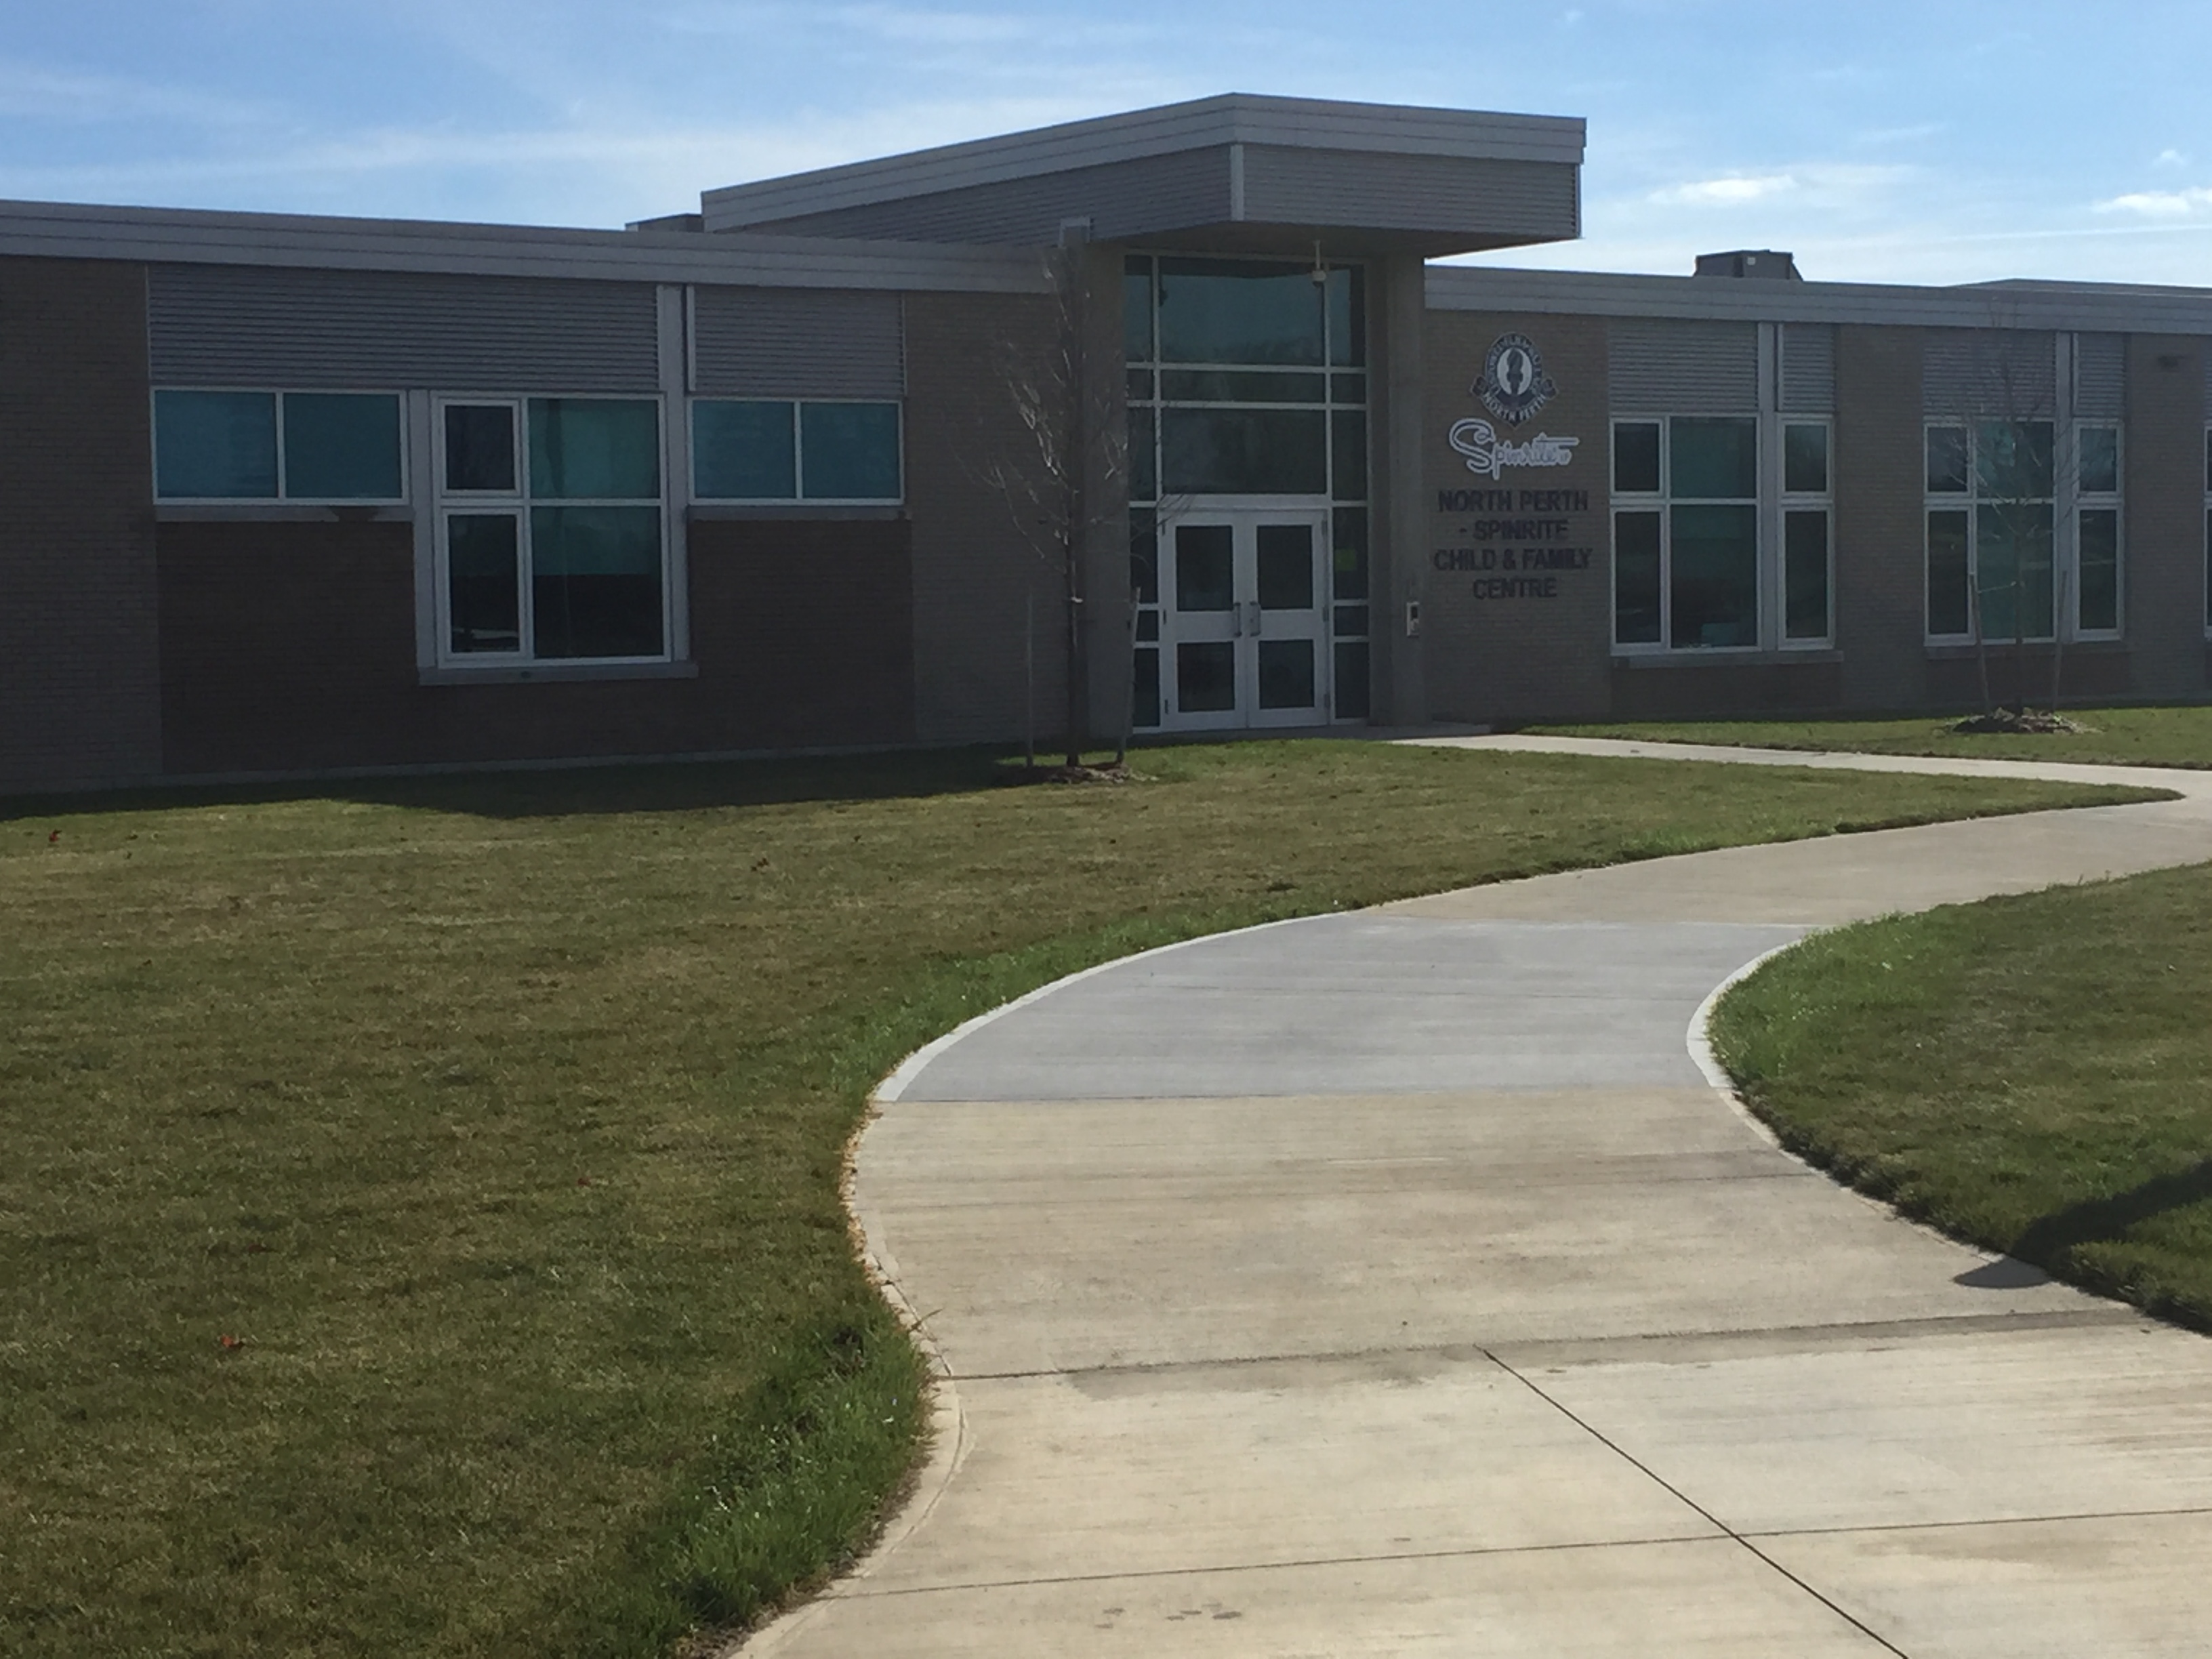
column 1764, row 263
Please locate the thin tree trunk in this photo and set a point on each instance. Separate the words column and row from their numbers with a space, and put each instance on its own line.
column 1028, row 679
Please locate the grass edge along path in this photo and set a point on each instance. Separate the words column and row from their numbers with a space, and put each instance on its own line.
column 2030, row 1075
column 2176, row 736
column 790, row 1479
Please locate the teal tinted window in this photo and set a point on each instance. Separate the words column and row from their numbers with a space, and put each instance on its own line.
column 1947, row 596
column 1636, row 458
column 2100, row 569
column 2012, row 459
column 1805, row 576
column 1351, row 680
column 1347, row 317
column 1946, row 460
column 595, row 580
column 341, row 446
column 744, row 452
column 1231, row 311
column 485, row 598
column 1348, row 551
column 1348, row 454
column 1636, row 578
column 1229, row 385
column 1712, row 457
column 2100, row 460
column 2013, row 570
column 1713, row 593
column 1245, row 452
column 849, row 451
column 1143, row 462
column 214, row 445
column 1137, row 310
column 594, row 448
column 1805, row 459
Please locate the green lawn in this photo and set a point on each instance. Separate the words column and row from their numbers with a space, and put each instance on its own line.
column 2116, row 736
column 2030, row 1075
column 419, row 1219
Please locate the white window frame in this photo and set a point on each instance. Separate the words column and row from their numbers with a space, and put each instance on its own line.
column 444, row 503
column 798, row 452
column 2112, row 501
column 1662, row 502
column 282, row 498
column 1787, row 502
column 2068, row 499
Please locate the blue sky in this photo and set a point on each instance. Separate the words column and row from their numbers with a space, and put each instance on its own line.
column 1950, row 142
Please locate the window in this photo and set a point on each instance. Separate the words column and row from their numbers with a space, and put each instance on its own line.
column 550, row 529
column 1685, row 532
column 2096, row 584
column 1991, row 499
column 777, row 450
column 1806, row 569
column 1248, row 377
column 315, row 448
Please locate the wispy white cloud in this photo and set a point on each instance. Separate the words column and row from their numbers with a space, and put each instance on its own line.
column 37, row 92
column 1731, row 190
column 2158, row 204
column 2170, row 158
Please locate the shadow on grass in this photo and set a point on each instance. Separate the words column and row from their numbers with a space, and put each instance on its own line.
column 2052, row 1240
column 572, row 790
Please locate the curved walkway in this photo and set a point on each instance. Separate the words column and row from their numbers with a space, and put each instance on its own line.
column 1397, row 1283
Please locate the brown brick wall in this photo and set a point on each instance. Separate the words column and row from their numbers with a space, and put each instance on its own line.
column 1880, row 485
column 290, row 646
column 1490, row 658
column 973, row 570
column 79, row 702
column 2163, row 510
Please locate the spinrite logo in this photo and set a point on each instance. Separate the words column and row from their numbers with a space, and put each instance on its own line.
column 1513, row 385
column 1488, row 455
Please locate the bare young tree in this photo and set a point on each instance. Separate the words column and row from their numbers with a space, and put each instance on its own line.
column 1069, row 478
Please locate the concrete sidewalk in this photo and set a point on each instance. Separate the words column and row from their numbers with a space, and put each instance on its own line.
column 1396, row 1283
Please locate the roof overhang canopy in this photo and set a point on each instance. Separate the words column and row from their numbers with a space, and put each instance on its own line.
column 1233, row 173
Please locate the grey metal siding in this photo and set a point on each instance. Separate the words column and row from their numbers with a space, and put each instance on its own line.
column 1808, row 367
column 1287, row 186
column 1659, row 367
column 820, row 342
column 1122, row 199
column 250, row 325
column 2008, row 373
column 2101, row 376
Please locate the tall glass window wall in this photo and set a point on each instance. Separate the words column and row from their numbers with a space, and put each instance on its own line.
column 1248, row 378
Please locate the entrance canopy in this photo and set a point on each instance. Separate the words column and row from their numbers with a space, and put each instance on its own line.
column 1236, row 173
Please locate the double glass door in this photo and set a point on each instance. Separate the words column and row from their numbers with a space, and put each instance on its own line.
column 1244, row 621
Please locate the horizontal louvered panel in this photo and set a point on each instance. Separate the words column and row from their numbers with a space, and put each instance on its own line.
column 1808, row 367
column 798, row 343
column 256, row 325
column 1122, row 199
column 1661, row 368
column 1408, row 193
column 2101, row 376
column 2006, row 372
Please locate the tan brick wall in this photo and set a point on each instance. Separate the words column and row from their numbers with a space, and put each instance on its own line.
column 978, row 582
column 1504, row 641
column 1879, row 483
column 2163, row 510
column 79, row 622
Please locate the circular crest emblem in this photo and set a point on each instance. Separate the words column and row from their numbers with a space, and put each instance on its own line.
column 1513, row 385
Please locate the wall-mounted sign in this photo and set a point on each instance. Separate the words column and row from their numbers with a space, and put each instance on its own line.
column 1488, row 455
column 1513, row 385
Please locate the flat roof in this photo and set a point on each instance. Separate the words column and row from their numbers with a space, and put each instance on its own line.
column 1236, row 118
column 2092, row 308
column 192, row 236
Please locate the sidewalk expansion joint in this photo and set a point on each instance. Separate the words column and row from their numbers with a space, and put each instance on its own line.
column 1630, row 1347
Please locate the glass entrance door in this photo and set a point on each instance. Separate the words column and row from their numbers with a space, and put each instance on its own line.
column 1244, row 620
